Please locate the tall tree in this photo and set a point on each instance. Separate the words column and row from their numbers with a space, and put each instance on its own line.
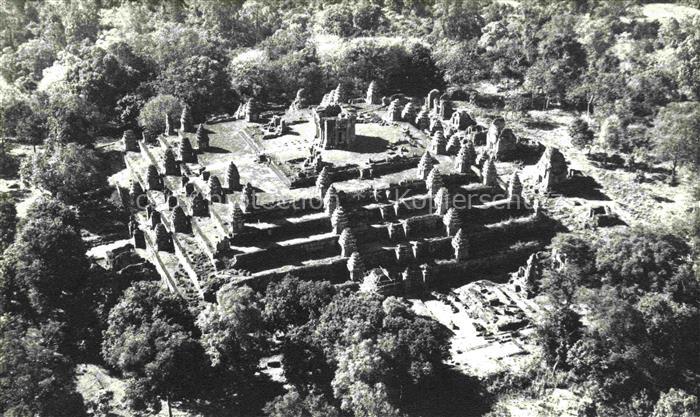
column 560, row 62
column 35, row 379
column 232, row 329
column 677, row 135
column 293, row 302
column 151, row 339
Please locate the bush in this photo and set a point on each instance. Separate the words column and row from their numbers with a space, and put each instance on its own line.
column 152, row 116
column 336, row 19
column 8, row 163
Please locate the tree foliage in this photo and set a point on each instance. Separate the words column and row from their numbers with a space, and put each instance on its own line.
column 294, row 404
column 35, row 379
column 640, row 297
column 201, row 83
column 8, row 221
column 152, row 115
column 151, row 339
column 581, row 134
column 293, row 302
column 677, row 134
column 64, row 170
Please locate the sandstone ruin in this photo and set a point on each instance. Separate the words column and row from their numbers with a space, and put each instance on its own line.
column 298, row 192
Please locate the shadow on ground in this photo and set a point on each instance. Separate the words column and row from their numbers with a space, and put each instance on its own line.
column 454, row 395
column 586, row 188
column 370, row 144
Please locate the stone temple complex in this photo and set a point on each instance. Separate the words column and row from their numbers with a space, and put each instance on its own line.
column 402, row 195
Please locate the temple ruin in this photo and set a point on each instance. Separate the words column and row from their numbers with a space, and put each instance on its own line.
column 402, row 198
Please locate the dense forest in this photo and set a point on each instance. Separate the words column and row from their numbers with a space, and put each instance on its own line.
column 622, row 331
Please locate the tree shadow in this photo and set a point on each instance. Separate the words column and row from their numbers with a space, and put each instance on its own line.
column 454, row 394
column 370, row 144
column 586, row 188
column 527, row 152
column 661, row 199
column 540, row 124
column 216, row 149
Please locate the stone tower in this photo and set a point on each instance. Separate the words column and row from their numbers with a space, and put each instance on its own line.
column 515, row 188
column 202, row 138
column 453, row 145
column 441, row 201
column 552, row 169
column 187, row 154
column 422, row 119
column 216, row 192
column 181, row 223
column 408, row 114
column 252, row 111
column 323, row 182
column 446, row 109
column 434, row 181
column 135, row 192
column 169, row 164
column 233, row 179
column 425, row 165
column 347, row 242
column 438, row 142
column 169, row 128
column 237, row 219
column 393, row 113
column 164, row 241
column 435, row 125
column 330, row 201
column 153, row 179
column 356, row 267
column 340, row 94
column 339, row 220
column 318, row 163
column 373, row 94
column 500, row 140
column 461, row 246
column 451, row 221
column 335, row 129
column 461, row 120
column 489, row 174
column 186, row 120
column 431, row 100
column 200, row 206
column 465, row 159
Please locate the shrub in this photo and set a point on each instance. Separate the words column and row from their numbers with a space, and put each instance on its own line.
column 152, row 116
